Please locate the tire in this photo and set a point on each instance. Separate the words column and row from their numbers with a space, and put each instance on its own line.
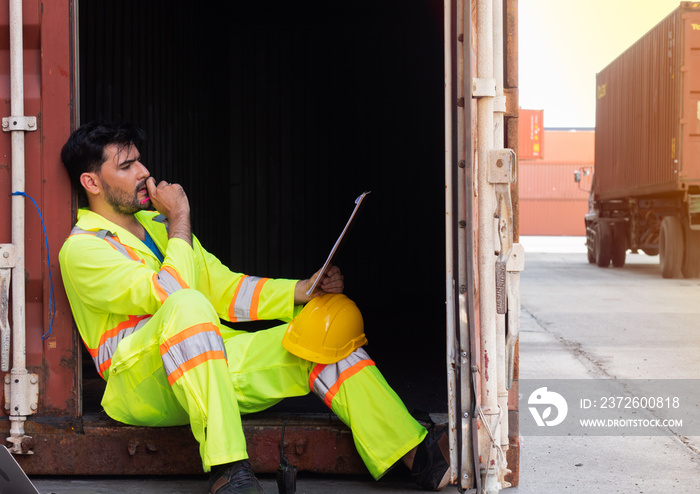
column 691, row 255
column 603, row 245
column 671, row 247
column 590, row 245
column 619, row 245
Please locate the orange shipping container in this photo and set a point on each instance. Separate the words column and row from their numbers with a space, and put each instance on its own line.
column 551, row 202
column 531, row 134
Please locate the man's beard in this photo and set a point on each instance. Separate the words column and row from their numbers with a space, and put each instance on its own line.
column 123, row 204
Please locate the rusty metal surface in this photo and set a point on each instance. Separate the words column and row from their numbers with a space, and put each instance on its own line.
column 513, row 142
column 511, row 44
column 47, row 70
column 97, row 445
column 647, row 119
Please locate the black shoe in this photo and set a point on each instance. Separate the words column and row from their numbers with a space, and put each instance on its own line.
column 431, row 465
column 236, row 478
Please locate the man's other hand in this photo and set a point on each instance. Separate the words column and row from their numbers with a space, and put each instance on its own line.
column 332, row 282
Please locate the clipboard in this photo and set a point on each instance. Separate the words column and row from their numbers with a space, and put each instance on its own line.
column 334, row 250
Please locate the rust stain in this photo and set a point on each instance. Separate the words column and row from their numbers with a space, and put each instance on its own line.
column 486, row 365
column 131, row 450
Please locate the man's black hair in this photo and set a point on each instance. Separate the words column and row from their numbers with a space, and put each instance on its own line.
column 84, row 150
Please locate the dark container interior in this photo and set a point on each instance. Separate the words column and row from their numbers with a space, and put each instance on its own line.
column 275, row 116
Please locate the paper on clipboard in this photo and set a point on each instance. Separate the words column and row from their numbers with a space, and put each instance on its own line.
column 329, row 261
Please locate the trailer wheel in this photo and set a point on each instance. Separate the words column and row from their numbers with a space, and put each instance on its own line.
column 691, row 258
column 671, row 247
column 591, row 255
column 590, row 244
column 619, row 246
column 603, row 245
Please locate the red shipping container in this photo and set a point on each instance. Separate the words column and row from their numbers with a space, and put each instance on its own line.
column 531, row 134
column 648, row 112
column 551, row 202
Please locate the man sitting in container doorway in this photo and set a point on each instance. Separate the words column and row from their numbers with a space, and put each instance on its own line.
column 148, row 301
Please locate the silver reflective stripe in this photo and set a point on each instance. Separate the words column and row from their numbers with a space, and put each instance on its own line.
column 192, row 347
column 244, row 298
column 105, row 235
column 168, row 282
column 331, row 372
column 119, row 247
column 162, row 220
column 107, row 349
column 99, row 233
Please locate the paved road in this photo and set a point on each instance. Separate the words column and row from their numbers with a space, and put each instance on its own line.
column 578, row 322
column 583, row 322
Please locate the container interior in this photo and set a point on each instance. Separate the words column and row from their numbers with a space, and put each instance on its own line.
column 275, row 116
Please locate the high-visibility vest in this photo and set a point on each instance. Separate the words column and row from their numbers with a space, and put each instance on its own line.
column 114, row 282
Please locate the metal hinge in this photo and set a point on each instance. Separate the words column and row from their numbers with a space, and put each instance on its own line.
column 502, row 169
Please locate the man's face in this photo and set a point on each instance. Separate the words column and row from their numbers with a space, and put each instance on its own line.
column 123, row 179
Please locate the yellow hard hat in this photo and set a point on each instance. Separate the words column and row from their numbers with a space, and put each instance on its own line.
column 327, row 330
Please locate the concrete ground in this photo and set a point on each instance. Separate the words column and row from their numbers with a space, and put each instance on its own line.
column 578, row 322
column 583, row 322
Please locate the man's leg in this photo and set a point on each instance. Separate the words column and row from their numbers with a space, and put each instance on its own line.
column 359, row 395
column 173, row 372
column 263, row 373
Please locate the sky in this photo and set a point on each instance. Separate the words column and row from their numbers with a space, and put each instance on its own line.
column 563, row 44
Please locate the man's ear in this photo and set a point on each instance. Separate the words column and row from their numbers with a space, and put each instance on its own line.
column 91, row 183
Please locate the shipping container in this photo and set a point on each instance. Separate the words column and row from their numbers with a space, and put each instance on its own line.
column 551, row 202
column 647, row 158
column 531, row 134
column 274, row 117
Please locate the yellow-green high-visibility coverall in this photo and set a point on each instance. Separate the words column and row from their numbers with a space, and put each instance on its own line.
column 153, row 330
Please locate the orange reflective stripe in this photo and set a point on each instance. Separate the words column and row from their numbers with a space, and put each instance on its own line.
column 314, row 374
column 166, row 282
column 111, row 240
column 256, row 298
column 131, row 322
column 132, row 253
column 102, row 355
column 190, row 348
column 325, row 380
column 232, row 308
column 342, row 378
column 246, row 299
column 194, row 362
column 175, row 274
column 162, row 294
column 183, row 335
column 104, row 366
